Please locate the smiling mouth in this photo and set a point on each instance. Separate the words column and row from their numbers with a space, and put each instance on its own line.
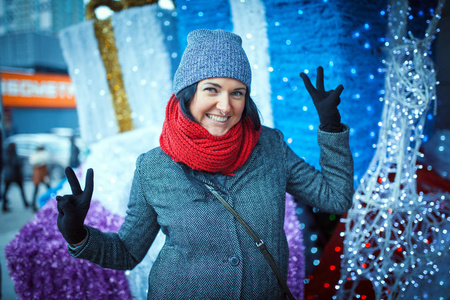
column 217, row 118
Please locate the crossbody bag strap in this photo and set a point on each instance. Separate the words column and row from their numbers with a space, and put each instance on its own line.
column 259, row 243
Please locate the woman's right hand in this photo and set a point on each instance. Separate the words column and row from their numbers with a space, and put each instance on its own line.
column 73, row 208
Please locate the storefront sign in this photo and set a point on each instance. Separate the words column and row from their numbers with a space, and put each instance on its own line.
column 37, row 90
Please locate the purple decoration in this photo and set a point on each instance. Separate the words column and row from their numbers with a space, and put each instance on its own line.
column 41, row 267
column 296, row 272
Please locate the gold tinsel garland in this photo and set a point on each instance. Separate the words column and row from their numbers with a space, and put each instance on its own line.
column 104, row 34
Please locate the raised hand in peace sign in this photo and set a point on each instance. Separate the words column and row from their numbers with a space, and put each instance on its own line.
column 326, row 102
column 73, row 208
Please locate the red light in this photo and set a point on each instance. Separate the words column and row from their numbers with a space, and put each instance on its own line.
column 337, row 249
column 399, row 249
column 367, row 245
column 364, row 265
column 332, row 267
column 380, row 180
column 363, row 297
column 326, row 285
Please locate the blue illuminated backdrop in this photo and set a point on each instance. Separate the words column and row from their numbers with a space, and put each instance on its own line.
column 345, row 38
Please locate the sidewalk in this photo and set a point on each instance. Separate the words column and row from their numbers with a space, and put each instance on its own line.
column 10, row 224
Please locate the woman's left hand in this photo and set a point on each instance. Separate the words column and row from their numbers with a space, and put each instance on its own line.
column 326, row 102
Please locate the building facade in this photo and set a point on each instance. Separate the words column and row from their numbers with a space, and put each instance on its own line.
column 29, row 44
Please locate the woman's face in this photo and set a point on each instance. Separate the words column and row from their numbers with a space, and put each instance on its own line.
column 214, row 95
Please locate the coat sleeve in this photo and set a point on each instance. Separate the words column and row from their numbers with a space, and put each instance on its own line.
column 331, row 189
column 125, row 249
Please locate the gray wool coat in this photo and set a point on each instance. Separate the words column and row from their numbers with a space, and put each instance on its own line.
column 207, row 253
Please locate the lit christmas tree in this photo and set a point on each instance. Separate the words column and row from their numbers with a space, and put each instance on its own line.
column 395, row 237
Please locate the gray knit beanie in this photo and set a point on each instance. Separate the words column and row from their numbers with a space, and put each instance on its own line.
column 212, row 53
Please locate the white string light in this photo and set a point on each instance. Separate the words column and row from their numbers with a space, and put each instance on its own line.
column 394, row 236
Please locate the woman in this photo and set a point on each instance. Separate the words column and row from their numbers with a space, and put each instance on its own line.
column 212, row 141
column 39, row 160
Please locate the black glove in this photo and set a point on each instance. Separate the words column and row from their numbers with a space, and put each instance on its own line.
column 326, row 102
column 73, row 208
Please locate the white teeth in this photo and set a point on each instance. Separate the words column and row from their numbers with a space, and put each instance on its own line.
column 217, row 118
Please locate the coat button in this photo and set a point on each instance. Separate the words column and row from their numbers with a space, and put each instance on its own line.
column 234, row 261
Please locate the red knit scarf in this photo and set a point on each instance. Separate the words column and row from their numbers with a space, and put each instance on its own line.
column 188, row 142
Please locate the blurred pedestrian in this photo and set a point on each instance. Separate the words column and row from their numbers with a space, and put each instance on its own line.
column 1, row 157
column 12, row 168
column 39, row 160
column 74, row 153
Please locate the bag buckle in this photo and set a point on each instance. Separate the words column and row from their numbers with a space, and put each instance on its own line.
column 261, row 243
